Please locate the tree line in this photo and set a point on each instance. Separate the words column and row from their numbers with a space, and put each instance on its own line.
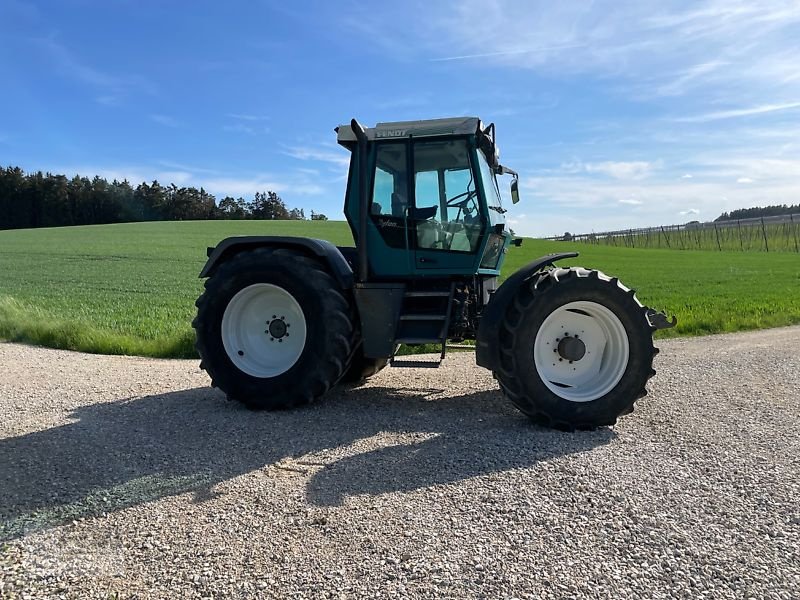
column 46, row 200
column 759, row 211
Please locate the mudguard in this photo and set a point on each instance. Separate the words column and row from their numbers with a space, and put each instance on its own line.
column 323, row 249
column 487, row 343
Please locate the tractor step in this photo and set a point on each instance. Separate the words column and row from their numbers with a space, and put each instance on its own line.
column 428, row 294
column 416, row 364
column 423, row 317
column 419, row 340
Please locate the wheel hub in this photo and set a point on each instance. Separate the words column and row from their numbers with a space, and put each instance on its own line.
column 571, row 348
column 278, row 328
column 256, row 328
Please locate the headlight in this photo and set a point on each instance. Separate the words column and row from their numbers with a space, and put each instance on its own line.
column 492, row 252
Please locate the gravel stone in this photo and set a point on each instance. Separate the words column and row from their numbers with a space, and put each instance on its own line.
column 126, row 477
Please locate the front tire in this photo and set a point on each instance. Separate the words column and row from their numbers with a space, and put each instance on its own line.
column 576, row 349
column 362, row 368
column 274, row 329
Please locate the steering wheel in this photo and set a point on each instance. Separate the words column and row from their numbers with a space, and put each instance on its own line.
column 451, row 203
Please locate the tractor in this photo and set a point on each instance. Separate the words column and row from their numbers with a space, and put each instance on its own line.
column 282, row 320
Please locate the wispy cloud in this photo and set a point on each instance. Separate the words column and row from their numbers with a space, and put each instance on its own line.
column 247, row 117
column 340, row 159
column 179, row 166
column 630, row 201
column 114, row 84
column 667, row 50
column 744, row 180
column 541, row 50
column 739, row 112
column 166, row 120
column 239, row 128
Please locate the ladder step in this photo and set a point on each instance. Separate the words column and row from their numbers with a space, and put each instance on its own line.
column 420, row 340
column 423, row 317
column 427, row 294
column 417, row 364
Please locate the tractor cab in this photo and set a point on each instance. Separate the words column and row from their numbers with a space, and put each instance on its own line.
column 424, row 195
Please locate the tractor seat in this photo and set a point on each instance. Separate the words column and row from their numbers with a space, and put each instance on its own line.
column 421, row 214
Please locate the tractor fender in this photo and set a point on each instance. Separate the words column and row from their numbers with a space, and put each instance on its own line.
column 323, row 249
column 487, row 342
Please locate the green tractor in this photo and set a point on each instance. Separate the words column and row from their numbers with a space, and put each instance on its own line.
column 284, row 319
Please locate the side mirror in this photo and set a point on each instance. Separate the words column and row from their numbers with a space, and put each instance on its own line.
column 515, row 190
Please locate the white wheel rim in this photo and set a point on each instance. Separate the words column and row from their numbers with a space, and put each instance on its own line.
column 252, row 333
column 606, row 351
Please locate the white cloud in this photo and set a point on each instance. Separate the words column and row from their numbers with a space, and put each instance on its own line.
column 744, row 180
column 247, row 186
column 583, row 204
column 292, row 183
column 179, row 178
column 631, row 201
column 621, row 170
column 686, row 176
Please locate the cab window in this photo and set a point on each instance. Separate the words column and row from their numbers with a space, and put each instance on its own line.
column 446, row 214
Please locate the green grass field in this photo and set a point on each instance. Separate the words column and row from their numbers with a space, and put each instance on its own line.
column 130, row 288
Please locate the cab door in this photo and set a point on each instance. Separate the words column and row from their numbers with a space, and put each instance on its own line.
column 445, row 221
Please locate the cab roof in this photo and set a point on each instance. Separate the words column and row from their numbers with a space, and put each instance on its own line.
column 406, row 129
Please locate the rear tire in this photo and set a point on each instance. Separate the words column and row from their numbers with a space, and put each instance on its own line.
column 576, row 349
column 274, row 329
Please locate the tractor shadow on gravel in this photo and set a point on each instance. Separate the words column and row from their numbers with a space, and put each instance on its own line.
column 124, row 453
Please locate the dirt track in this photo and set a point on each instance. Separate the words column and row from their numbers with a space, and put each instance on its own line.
column 131, row 476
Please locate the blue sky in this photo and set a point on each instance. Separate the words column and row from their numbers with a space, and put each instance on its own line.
column 617, row 114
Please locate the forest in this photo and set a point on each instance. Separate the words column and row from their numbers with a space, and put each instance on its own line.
column 759, row 211
column 31, row 200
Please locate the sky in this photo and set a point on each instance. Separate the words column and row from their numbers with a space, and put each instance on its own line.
column 616, row 114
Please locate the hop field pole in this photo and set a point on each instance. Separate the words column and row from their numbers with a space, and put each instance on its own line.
column 764, row 231
column 741, row 241
column 794, row 231
column 716, row 231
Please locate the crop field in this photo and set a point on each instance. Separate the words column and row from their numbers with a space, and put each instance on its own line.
column 130, row 288
column 773, row 234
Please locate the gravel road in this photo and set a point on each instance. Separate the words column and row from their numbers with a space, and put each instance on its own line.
column 129, row 477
